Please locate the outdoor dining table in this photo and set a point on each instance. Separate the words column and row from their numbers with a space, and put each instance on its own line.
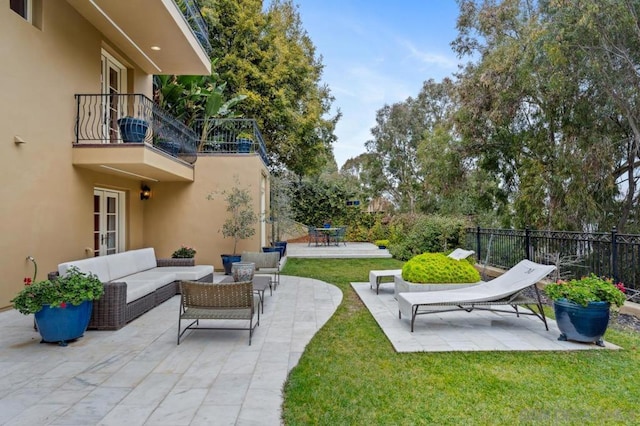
column 328, row 232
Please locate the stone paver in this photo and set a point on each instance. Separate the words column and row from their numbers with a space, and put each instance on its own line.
column 138, row 376
column 463, row 331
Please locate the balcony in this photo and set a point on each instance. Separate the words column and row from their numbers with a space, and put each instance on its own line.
column 134, row 136
column 191, row 11
column 128, row 134
column 230, row 136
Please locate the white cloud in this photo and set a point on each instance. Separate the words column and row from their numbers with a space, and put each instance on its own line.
column 428, row 58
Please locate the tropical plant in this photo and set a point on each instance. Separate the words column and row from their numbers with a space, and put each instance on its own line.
column 73, row 288
column 242, row 217
column 195, row 98
column 587, row 289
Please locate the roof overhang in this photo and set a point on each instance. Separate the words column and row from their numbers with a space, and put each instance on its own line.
column 134, row 27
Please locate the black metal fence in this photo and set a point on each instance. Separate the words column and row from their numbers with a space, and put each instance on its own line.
column 132, row 118
column 578, row 253
column 230, row 135
column 191, row 12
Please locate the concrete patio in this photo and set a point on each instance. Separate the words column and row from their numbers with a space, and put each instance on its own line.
column 137, row 375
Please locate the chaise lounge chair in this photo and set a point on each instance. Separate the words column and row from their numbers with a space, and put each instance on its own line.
column 375, row 277
column 504, row 290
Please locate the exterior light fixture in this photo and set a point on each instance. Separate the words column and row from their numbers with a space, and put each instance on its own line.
column 145, row 192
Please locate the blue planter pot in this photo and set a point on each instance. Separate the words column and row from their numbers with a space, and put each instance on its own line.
column 227, row 260
column 133, row 129
column 244, row 145
column 582, row 323
column 59, row 325
column 282, row 244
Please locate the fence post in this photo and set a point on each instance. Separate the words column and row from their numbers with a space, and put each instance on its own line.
column 527, row 243
column 614, row 254
column 479, row 255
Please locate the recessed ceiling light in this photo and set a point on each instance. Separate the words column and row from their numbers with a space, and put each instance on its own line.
column 155, row 47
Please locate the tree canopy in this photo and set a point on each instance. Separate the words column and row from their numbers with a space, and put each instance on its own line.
column 269, row 57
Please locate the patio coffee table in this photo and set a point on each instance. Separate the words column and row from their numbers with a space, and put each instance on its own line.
column 260, row 284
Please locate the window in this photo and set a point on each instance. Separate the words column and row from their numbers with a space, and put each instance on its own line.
column 22, row 8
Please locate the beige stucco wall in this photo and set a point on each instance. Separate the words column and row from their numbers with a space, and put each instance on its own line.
column 47, row 203
column 180, row 213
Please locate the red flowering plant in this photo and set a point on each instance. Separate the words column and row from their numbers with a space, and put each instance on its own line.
column 73, row 288
column 184, row 252
column 587, row 289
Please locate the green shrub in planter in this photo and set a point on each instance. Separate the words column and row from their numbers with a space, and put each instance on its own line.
column 438, row 268
column 383, row 243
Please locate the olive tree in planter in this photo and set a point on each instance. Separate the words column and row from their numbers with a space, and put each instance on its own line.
column 241, row 222
column 280, row 211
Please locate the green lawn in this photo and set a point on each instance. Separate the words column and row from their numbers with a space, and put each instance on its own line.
column 349, row 374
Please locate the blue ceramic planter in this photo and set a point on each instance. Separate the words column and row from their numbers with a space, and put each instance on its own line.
column 59, row 325
column 227, row 260
column 244, row 145
column 133, row 129
column 580, row 323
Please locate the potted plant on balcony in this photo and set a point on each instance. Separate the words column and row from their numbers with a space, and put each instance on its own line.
column 133, row 129
column 245, row 142
column 62, row 307
column 582, row 306
column 239, row 225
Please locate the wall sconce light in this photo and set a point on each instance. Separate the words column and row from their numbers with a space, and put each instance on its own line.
column 145, row 192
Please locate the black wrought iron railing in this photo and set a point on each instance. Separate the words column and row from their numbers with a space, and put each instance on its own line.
column 132, row 118
column 230, row 135
column 578, row 253
column 191, row 12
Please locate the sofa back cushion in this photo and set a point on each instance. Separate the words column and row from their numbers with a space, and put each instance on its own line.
column 94, row 265
column 262, row 260
column 121, row 265
column 144, row 258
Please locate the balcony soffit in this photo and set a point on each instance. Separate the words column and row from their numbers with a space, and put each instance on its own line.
column 135, row 26
column 132, row 161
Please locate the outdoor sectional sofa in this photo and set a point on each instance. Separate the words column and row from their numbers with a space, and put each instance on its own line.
column 134, row 283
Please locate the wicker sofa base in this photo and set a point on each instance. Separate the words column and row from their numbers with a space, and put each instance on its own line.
column 108, row 315
column 111, row 312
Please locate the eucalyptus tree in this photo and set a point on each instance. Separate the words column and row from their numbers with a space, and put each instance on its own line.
column 603, row 36
column 530, row 115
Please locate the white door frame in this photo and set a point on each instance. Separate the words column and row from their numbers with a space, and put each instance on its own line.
column 113, row 77
column 108, row 220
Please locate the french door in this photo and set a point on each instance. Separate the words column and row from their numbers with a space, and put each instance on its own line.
column 108, row 215
column 113, row 76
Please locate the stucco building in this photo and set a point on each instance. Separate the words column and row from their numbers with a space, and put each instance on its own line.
column 71, row 179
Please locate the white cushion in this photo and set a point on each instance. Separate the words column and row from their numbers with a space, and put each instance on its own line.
column 188, row 273
column 157, row 278
column 95, row 265
column 121, row 265
column 144, row 258
column 138, row 289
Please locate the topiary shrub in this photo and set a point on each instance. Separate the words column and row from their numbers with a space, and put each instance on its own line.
column 438, row 268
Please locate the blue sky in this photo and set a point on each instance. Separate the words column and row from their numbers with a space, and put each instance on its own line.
column 375, row 53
